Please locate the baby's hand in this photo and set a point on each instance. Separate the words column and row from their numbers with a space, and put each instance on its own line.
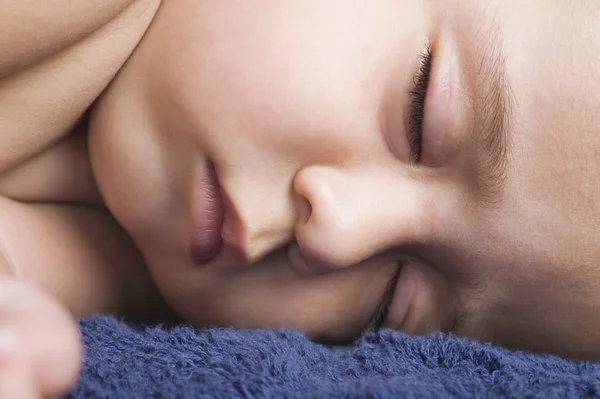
column 40, row 348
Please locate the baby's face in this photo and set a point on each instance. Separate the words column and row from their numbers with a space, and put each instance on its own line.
column 336, row 214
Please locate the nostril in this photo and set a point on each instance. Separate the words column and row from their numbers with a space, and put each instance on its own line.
column 304, row 196
column 328, row 218
column 313, row 186
column 297, row 260
column 304, row 263
column 303, row 210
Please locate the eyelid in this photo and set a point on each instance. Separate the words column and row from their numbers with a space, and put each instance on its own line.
column 379, row 316
column 416, row 114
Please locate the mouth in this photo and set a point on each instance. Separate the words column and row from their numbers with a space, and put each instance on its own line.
column 207, row 215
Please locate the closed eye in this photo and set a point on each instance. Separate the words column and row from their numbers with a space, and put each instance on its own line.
column 416, row 112
column 379, row 316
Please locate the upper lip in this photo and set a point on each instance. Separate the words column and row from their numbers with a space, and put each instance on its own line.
column 207, row 216
column 215, row 223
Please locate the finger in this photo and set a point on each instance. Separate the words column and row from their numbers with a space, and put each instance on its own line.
column 16, row 378
column 47, row 333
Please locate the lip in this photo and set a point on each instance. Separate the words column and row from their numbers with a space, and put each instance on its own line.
column 208, row 216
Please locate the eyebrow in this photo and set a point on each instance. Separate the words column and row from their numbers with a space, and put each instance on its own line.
column 492, row 115
column 378, row 317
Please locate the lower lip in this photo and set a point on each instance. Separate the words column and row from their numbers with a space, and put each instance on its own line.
column 207, row 216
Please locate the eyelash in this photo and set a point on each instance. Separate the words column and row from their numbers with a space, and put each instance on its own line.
column 417, row 105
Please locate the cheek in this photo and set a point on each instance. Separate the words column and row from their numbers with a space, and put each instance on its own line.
column 277, row 76
column 531, row 321
column 128, row 162
column 270, row 294
column 522, row 299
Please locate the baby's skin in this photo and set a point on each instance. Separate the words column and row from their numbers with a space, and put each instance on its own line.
column 327, row 166
column 62, row 255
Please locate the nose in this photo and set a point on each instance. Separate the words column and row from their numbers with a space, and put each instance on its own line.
column 351, row 215
column 259, row 217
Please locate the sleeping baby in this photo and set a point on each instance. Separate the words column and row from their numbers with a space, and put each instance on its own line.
column 326, row 166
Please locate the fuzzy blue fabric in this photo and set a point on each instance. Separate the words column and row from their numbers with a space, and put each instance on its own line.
column 124, row 361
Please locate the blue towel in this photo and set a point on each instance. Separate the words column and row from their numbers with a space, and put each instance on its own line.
column 126, row 361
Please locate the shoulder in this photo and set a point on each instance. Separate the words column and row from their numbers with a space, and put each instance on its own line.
column 56, row 58
column 26, row 27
